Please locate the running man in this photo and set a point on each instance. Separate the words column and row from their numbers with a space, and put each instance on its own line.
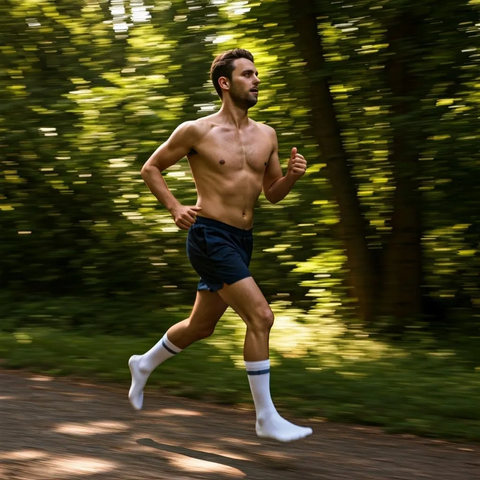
column 232, row 159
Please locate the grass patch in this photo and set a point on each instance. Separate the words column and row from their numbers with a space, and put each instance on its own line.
column 402, row 388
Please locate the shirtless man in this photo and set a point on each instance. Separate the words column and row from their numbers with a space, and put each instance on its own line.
column 232, row 158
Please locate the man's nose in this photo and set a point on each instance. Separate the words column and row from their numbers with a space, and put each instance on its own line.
column 256, row 81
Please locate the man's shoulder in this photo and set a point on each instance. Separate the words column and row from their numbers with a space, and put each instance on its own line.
column 194, row 129
column 266, row 129
column 200, row 126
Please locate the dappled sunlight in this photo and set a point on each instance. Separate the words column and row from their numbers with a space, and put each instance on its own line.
column 297, row 334
column 58, row 466
column 91, row 428
column 78, row 465
column 28, row 454
column 352, row 351
column 181, row 412
column 168, row 412
column 40, row 378
column 278, row 456
column 195, row 465
column 370, row 350
column 239, row 441
column 289, row 337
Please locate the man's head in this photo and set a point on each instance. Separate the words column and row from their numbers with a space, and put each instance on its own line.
column 234, row 72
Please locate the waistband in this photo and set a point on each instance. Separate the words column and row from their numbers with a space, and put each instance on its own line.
column 210, row 222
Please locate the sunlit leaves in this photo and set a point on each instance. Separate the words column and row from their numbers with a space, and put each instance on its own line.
column 90, row 89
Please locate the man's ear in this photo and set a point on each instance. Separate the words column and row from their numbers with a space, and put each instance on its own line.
column 224, row 83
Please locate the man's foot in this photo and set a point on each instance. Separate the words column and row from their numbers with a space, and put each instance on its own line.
column 278, row 428
column 139, row 379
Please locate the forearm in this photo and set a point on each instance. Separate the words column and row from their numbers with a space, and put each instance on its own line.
column 280, row 189
column 154, row 179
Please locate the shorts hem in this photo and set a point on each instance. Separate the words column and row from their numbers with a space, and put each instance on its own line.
column 215, row 287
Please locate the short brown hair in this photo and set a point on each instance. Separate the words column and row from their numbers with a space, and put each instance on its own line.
column 223, row 66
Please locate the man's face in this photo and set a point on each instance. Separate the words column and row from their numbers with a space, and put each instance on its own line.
column 244, row 85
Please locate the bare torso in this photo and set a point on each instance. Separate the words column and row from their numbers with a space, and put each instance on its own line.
column 228, row 164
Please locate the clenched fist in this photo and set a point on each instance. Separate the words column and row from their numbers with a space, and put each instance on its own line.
column 297, row 165
column 185, row 216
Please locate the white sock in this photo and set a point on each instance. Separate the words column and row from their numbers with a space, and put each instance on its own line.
column 259, row 380
column 269, row 423
column 141, row 366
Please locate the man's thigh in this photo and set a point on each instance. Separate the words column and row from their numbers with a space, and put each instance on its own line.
column 208, row 308
column 245, row 297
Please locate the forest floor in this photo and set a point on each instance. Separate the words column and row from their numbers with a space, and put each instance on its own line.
column 64, row 428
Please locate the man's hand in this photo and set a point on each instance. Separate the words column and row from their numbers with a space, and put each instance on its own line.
column 184, row 216
column 297, row 165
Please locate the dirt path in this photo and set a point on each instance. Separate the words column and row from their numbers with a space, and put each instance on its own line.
column 60, row 429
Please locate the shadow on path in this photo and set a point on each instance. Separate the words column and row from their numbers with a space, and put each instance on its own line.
column 54, row 429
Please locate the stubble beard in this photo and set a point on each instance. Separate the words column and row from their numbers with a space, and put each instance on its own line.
column 242, row 101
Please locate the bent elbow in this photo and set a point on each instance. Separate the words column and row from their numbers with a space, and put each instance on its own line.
column 271, row 199
column 146, row 171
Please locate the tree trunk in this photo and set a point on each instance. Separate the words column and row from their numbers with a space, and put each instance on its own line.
column 402, row 272
column 327, row 134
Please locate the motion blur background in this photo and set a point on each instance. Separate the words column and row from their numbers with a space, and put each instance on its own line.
column 371, row 263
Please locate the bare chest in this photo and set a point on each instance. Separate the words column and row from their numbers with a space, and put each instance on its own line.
column 233, row 152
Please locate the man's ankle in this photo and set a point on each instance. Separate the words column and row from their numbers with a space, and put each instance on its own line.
column 143, row 366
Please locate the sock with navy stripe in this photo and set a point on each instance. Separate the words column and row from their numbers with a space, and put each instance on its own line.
column 141, row 366
column 269, row 423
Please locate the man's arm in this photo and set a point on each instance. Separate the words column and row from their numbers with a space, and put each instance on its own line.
column 276, row 186
column 169, row 153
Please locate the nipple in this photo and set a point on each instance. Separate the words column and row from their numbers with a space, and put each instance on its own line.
column 222, row 162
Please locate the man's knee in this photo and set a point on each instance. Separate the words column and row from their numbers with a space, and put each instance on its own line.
column 205, row 332
column 201, row 331
column 262, row 319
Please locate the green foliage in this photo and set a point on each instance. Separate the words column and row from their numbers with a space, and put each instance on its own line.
column 87, row 93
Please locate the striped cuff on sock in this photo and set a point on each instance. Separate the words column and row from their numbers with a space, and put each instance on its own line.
column 258, row 368
column 169, row 346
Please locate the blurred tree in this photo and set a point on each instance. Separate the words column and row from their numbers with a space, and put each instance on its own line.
column 381, row 95
column 390, row 283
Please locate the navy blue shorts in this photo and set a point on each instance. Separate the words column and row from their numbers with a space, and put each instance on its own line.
column 219, row 253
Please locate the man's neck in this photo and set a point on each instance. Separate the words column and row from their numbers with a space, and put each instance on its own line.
column 234, row 115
